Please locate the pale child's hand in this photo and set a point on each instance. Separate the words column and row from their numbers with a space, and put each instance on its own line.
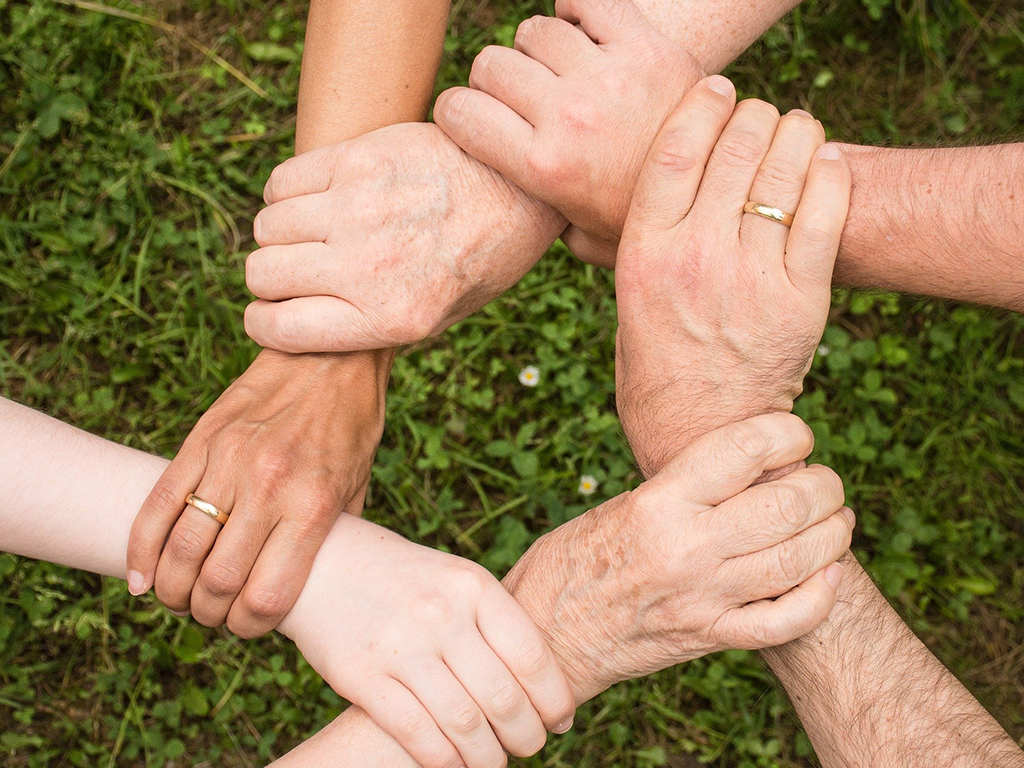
column 431, row 646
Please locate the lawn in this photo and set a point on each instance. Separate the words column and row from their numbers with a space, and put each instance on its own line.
column 134, row 144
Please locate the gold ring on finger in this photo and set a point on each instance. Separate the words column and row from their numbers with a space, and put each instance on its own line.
column 769, row 212
column 207, row 508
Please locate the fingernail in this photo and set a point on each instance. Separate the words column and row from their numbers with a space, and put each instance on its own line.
column 829, row 152
column 834, row 574
column 136, row 583
column 802, row 112
column 566, row 724
column 721, row 85
column 850, row 517
column 179, row 614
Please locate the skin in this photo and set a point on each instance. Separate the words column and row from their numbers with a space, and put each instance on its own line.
column 570, row 114
column 446, row 242
column 288, row 447
column 699, row 523
column 856, row 711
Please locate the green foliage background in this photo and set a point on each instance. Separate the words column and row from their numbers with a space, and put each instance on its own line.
column 131, row 163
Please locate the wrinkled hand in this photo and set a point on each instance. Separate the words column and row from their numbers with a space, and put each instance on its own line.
column 385, row 240
column 285, row 450
column 570, row 113
column 431, row 646
column 693, row 561
column 720, row 311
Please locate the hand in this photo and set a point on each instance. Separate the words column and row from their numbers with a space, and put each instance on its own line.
column 720, row 312
column 693, row 561
column 285, row 450
column 570, row 113
column 431, row 646
column 400, row 213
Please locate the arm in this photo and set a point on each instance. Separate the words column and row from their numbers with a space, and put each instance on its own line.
column 704, row 549
column 366, row 64
column 450, row 234
column 868, row 691
column 938, row 222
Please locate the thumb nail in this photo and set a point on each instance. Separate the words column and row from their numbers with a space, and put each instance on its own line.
column 563, row 726
column 136, row 583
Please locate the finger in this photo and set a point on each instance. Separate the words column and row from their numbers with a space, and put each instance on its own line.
column 774, row 571
column 190, row 542
column 303, row 219
column 277, row 577
column 768, row 623
column 671, row 176
column 226, row 569
column 314, row 324
column 604, row 21
column 514, row 79
column 499, row 696
column 589, row 248
column 767, row 514
column 818, row 223
column 780, row 181
column 395, row 709
column 455, row 712
column 160, row 511
column 560, row 46
column 280, row 272
column 720, row 464
column 518, row 643
column 734, row 163
column 308, row 173
column 486, row 129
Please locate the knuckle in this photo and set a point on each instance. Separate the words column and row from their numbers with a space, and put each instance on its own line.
column 465, row 718
column 533, row 660
column 746, row 441
column 165, row 496
column 580, row 115
column 740, row 147
column 788, row 561
column 482, row 65
column 528, row 28
column 187, row 545
column 778, row 172
column 789, row 505
column 545, row 166
column 266, row 602
column 675, row 152
column 223, row 578
column 272, row 466
column 816, row 228
column 507, row 701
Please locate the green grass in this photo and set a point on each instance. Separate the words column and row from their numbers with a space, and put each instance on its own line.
column 132, row 158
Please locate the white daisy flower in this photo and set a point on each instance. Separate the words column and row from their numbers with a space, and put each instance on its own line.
column 588, row 484
column 529, row 376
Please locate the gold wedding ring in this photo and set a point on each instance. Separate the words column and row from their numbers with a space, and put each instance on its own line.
column 769, row 212
column 207, row 508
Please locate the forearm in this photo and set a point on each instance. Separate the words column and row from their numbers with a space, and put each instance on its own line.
column 714, row 31
column 870, row 693
column 366, row 65
column 939, row 222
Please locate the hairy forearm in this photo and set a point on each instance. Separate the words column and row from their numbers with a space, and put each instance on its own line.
column 940, row 222
column 714, row 31
column 870, row 693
